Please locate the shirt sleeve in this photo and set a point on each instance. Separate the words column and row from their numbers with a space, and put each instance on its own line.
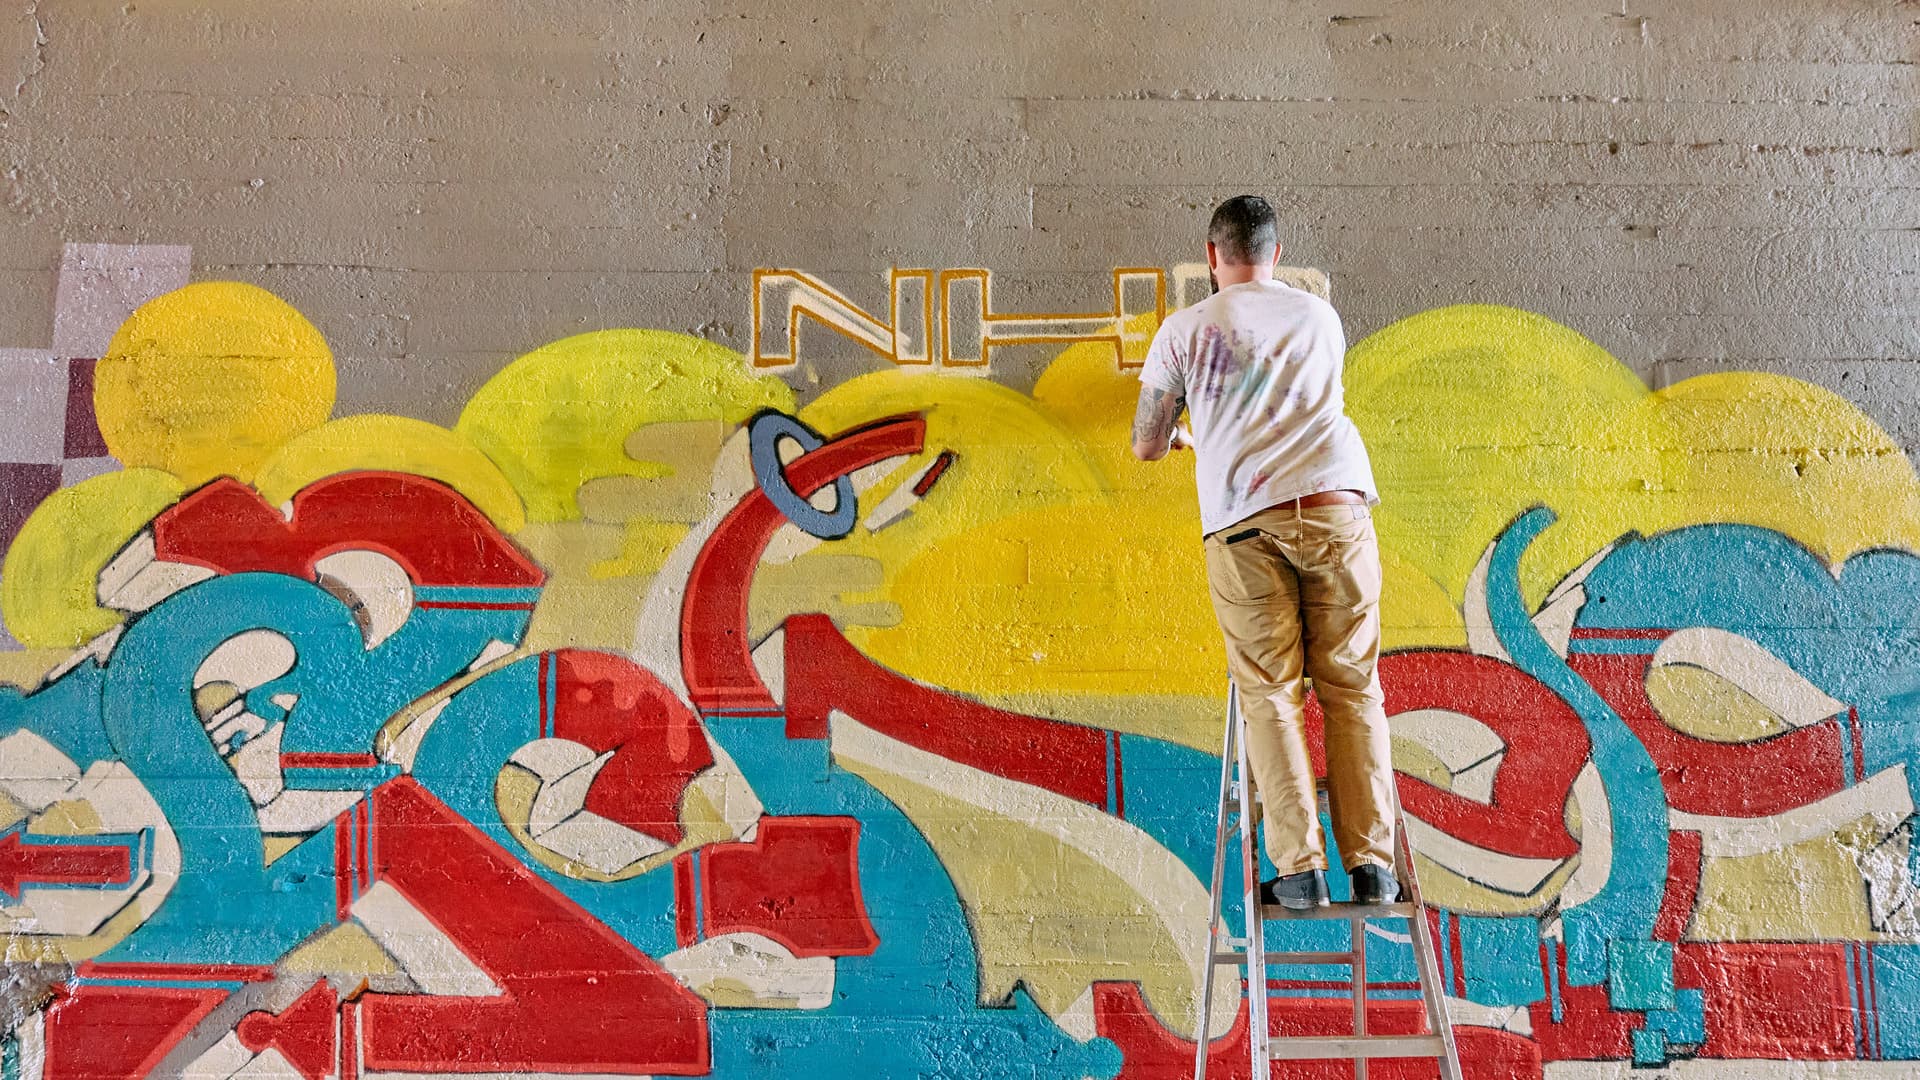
column 1164, row 369
column 1337, row 329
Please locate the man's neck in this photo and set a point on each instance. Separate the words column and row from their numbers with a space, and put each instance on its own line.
column 1227, row 274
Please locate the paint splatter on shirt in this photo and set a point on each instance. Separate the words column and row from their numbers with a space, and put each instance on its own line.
column 1259, row 365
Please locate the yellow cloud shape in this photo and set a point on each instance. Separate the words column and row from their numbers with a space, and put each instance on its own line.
column 559, row 416
column 1475, row 413
column 209, row 379
column 47, row 586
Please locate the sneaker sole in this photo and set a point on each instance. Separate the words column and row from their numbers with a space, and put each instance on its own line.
column 1304, row 905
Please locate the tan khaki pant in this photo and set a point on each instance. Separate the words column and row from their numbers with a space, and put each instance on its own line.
column 1297, row 591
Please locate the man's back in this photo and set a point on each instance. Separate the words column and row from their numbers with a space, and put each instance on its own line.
column 1259, row 365
column 1293, row 566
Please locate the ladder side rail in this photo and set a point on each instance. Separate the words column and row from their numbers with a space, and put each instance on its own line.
column 1201, row 1036
column 1432, row 992
column 1257, row 1033
column 1359, row 930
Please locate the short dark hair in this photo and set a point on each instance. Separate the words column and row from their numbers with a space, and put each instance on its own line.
column 1244, row 230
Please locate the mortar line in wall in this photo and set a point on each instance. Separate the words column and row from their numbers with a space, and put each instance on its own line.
column 1216, row 97
column 1150, row 97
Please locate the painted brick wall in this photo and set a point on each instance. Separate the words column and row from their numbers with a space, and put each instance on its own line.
column 577, row 538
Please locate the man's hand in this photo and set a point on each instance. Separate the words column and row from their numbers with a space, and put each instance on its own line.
column 1182, row 438
column 1153, row 423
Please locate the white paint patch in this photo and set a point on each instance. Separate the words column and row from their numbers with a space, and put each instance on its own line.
column 1893, row 904
column 1555, row 619
column 599, row 843
column 136, row 580
column 724, row 786
column 1481, row 638
column 1381, row 932
column 1514, row 1018
column 33, row 772
column 257, row 765
column 234, row 724
column 247, row 660
column 1883, row 795
column 559, row 820
column 1596, row 840
column 123, row 805
column 299, row 811
column 1744, row 663
column 550, row 759
column 1496, row 870
column 1078, row 1019
column 374, row 586
column 789, row 542
column 493, row 650
column 898, row 503
column 770, row 661
column 1563, row 603
column 1469, row 749
column 427, row 956
column 33, row 392
column 724, row 966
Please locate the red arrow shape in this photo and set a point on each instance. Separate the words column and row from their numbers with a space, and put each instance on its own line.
column 60, row 864
column 303, row 1033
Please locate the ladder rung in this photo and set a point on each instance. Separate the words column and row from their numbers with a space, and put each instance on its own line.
column 1400, row 910
column 1287, row 958
column 1305, row 1048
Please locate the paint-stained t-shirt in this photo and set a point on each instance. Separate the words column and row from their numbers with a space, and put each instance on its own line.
column 1259, row 365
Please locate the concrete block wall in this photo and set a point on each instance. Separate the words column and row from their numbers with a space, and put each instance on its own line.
column 427, row 653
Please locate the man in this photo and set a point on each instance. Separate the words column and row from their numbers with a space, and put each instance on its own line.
column 1292, row 563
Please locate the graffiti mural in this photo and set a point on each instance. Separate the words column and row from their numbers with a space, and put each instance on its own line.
column 663, row 717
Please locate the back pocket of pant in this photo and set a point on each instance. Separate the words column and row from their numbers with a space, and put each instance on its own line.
column 1247, row 572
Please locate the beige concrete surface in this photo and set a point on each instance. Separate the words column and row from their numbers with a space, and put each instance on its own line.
column 443, row 185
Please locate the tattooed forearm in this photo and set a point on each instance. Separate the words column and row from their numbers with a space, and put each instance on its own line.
column 1153, row 423
column 1147, row 418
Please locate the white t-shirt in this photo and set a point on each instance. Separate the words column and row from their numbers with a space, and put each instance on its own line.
column 1259, row 365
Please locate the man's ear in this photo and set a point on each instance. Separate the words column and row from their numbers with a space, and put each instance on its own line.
column 1213, row 257
column 1276, row 253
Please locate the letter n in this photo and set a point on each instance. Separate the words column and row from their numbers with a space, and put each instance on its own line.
column 782, row 299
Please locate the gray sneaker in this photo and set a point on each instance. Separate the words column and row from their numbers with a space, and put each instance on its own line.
column 1374, row 884
column 1299, row 892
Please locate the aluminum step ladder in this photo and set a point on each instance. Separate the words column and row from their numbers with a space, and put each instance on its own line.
column 1223, row 949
